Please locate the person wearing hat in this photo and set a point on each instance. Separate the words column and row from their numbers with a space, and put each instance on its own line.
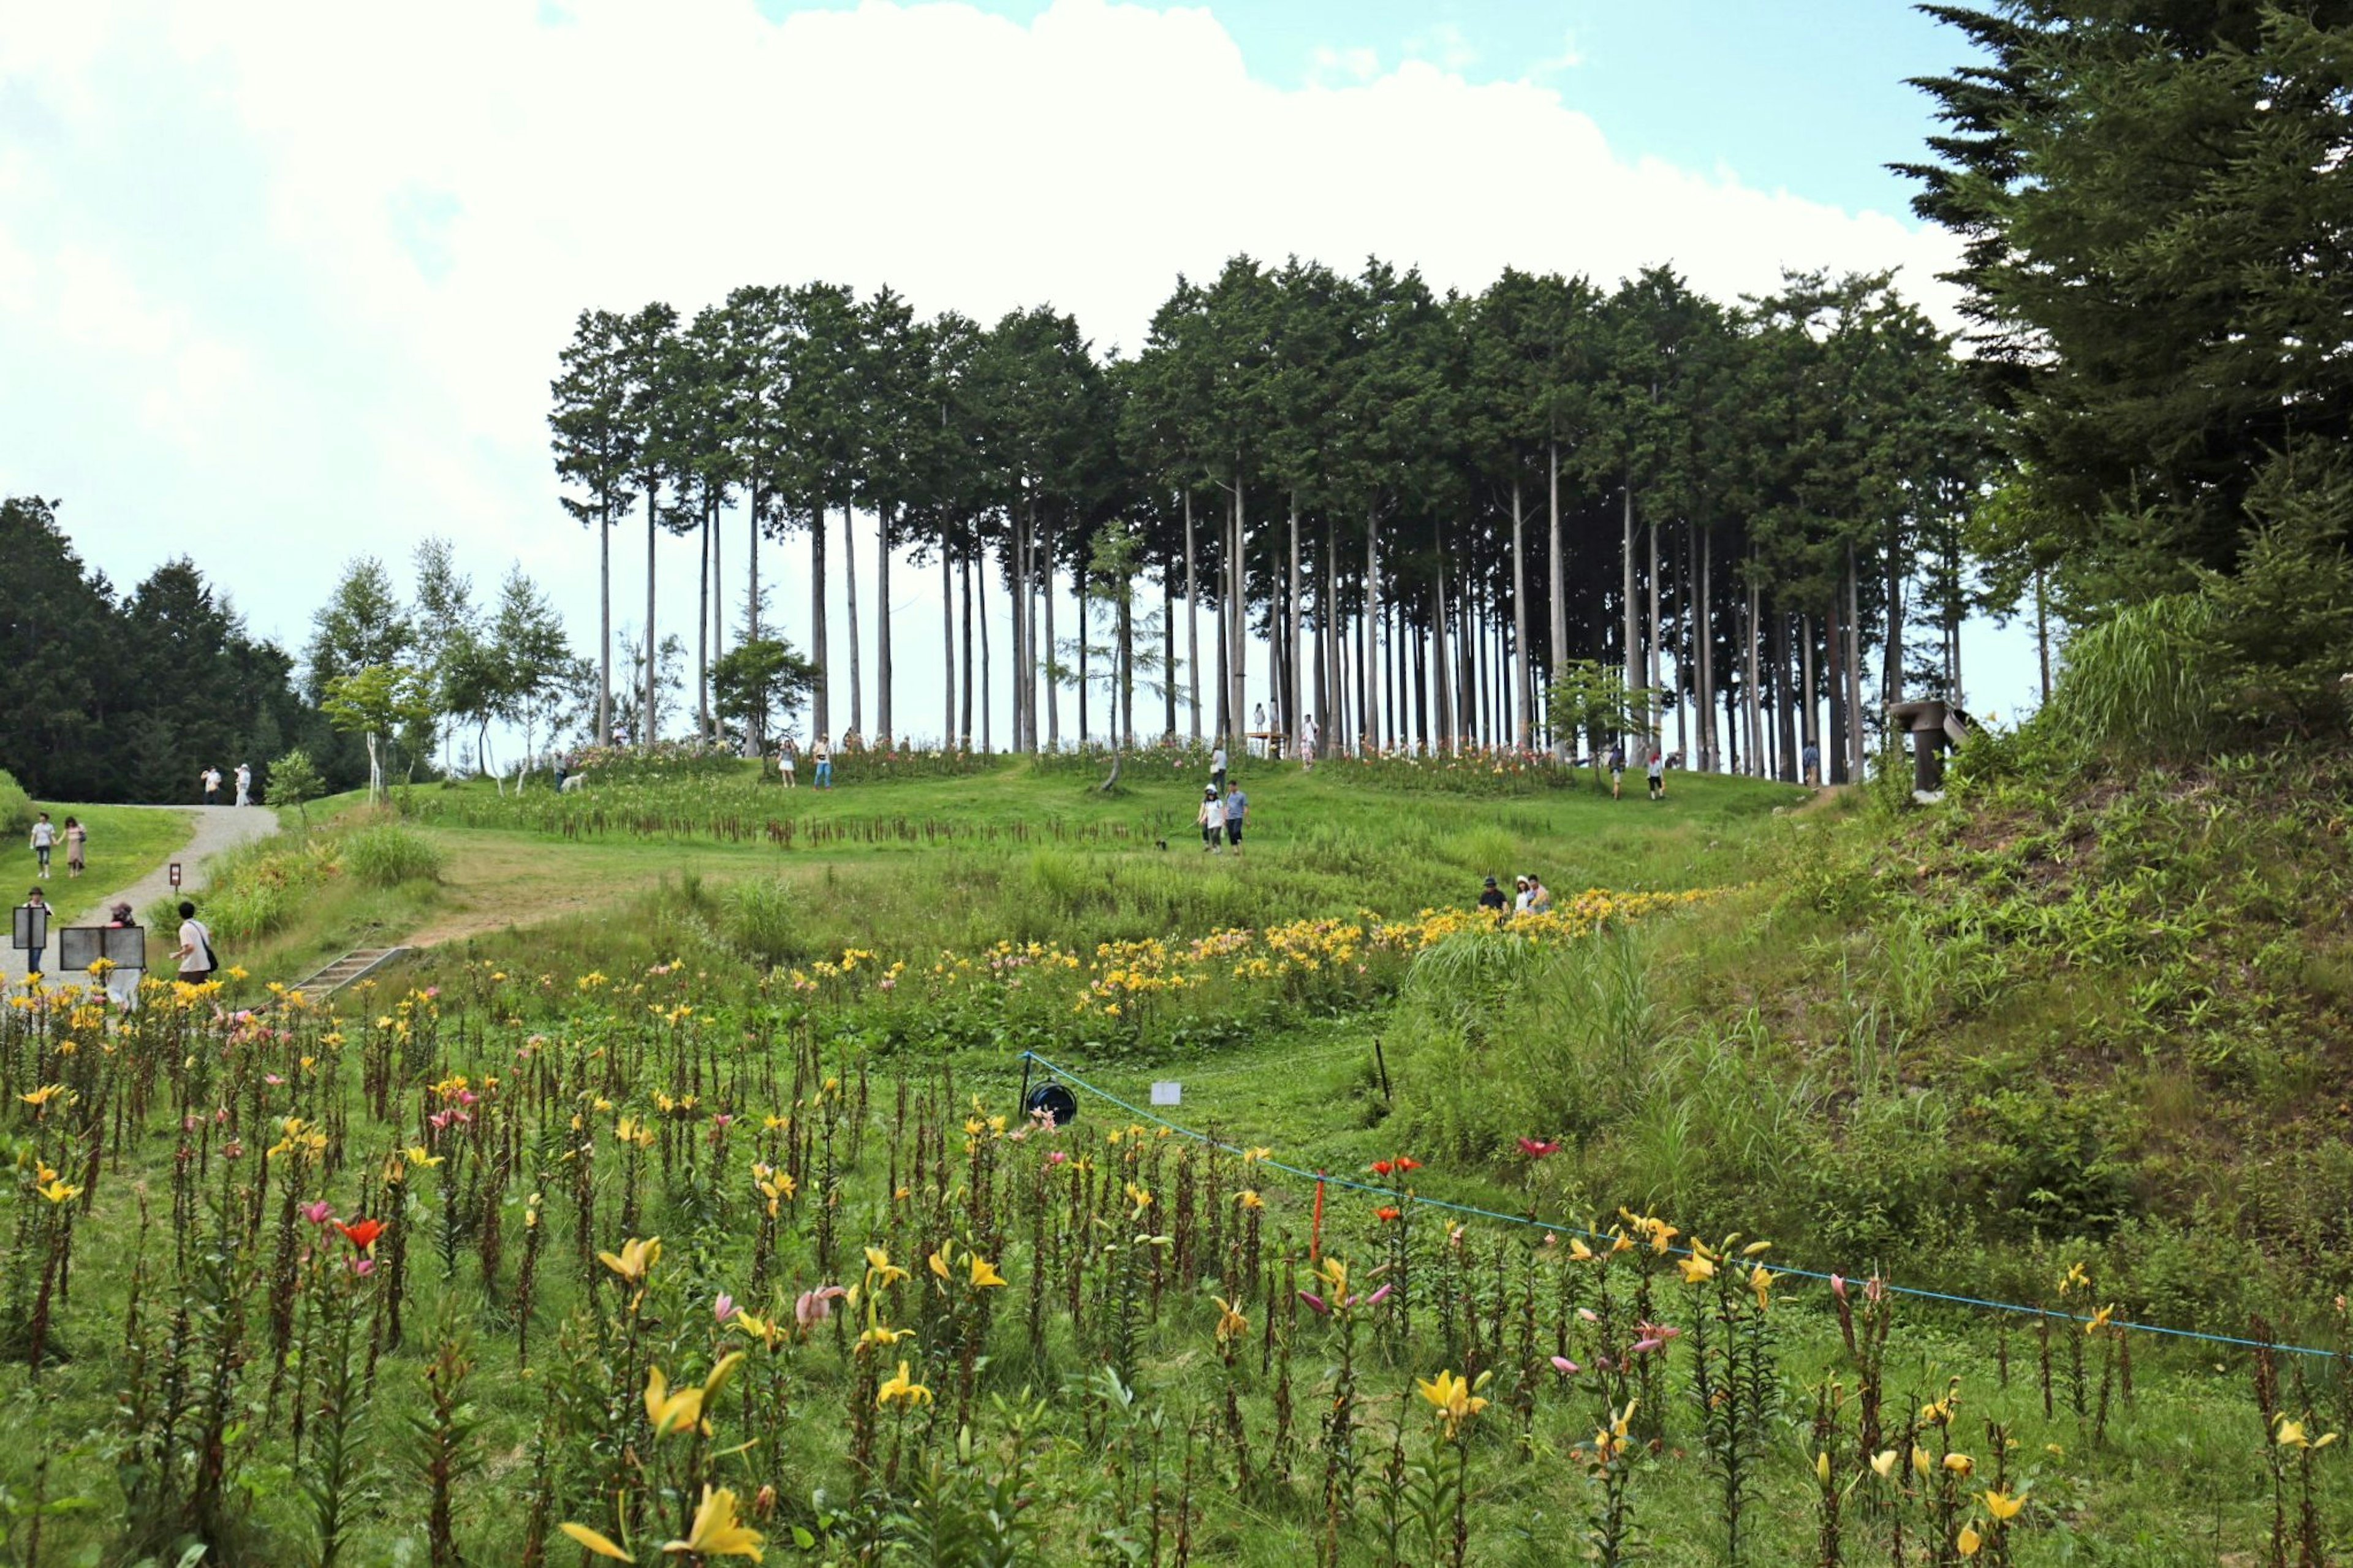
column 1491, row 897
column 1212, row 818
column 122, row 979
column 1521, row 891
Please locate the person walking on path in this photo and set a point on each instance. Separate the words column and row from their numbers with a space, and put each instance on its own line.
column 824, row 758
column 787, row 763
column 45, row 838
column 1491, row 897
column 1307, row 737
column 1812, row 758
column 1617, row 767
column 1236, row 803
column 197, row 961
column 1217, row 768
column 77, row 842
column 1212, row 820
column 1658, row 773
column 245, row 783
column 212, row 786
column 36, row 930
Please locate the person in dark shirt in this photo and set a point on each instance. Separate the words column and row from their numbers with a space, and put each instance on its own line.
column 1491, row 897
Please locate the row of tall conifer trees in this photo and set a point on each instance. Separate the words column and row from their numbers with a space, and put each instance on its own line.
column 1417, row 510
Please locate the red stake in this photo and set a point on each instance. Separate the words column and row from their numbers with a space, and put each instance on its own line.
column 1315, row 1233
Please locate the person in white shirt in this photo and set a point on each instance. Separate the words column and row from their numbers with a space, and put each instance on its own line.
column 45, row 838
column 196, row 950
column 1307, row 746
column 1218, row 769
column 244, row 784
column 1212, row 818
column 212, row 786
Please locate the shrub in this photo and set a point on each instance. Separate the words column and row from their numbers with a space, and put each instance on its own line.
column 16, row 806
column 386, row 855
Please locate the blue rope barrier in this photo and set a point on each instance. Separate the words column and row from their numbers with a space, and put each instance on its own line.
column 1916, row 1292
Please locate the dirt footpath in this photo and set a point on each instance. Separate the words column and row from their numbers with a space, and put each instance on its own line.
column 218, row 828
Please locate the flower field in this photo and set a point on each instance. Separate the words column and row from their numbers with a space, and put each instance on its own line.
column 553, row 1268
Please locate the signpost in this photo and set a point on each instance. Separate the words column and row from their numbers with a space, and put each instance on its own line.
column 175, row 876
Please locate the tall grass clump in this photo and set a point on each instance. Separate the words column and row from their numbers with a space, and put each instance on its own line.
column 16, row 806
column 388, row 854
column 759, row 918
column 2143, row 682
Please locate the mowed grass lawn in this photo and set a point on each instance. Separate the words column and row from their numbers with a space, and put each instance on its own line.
column 126, row 842
column 1323, row 842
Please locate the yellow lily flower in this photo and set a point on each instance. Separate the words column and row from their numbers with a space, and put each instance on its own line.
column 877, row 1263
column 1968, row 1542
column 1696, row 1269
column 2003, row 1506
column 1231, row 1323
column 984, row 1273
column 939, row 1263
column 595, row 1542
column 1882, row 1464
column 1453, row 1399
column 669, row 1411
column 716, row 1533
column 43, row 1095
column 903, row 1387
column 636, row 1261
column 1959, row 1464
column 57, row 1192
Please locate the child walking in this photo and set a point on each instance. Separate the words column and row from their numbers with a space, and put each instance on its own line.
column 1212, row 818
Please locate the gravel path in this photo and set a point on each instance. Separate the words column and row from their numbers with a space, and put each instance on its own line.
column 218, row 828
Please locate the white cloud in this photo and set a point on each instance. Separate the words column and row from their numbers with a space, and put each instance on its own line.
column 280, row 282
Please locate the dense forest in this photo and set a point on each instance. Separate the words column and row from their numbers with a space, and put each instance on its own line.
column 1421, row 511
column 114, row 696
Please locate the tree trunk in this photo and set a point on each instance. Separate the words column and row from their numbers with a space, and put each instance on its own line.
column 1785, row 711
column 964, row 700
column 1835, row 752
column 1854, row 654
column 1086, row 626
column 604, row 631
column 1809, row 729
column 882, row 728
column 1441, row 672
column 1524, row 735
column 1124, row 725
column 1324, row 649
column 653, row 652
column 1292, row 660
column 1655, row 662
column 1891, row 679
column 702, row 639
column 756, row 729
column 1703, row 628
column 857, row 654
column 820, row 707
column 1557, row 566
column 2042, row 635
column 1192, row 622
column 988, row 740
column 1375, row 698
column 1752, row 705
column 1633, row 616
column 947, row 645
column 1045, row 584
column 1168, row 653
column 1238, row 615
column 718, row 598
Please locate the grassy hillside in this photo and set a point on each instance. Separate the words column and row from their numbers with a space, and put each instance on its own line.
column 1861, row 1040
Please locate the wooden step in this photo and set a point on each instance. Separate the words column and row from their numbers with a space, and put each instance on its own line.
column 352, row 966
